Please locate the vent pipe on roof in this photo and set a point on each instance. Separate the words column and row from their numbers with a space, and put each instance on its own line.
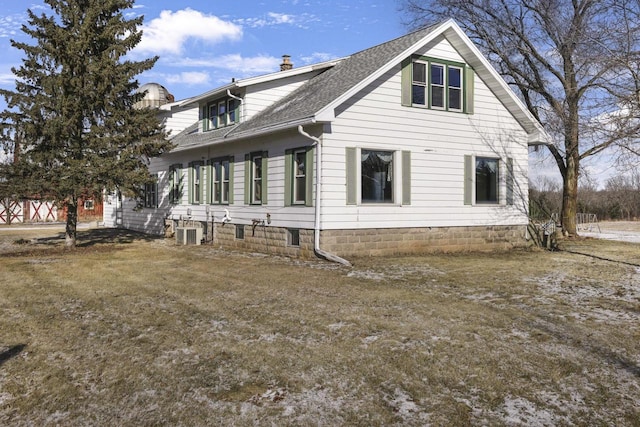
column 286, row 63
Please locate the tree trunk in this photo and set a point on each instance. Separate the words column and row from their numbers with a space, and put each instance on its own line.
column 570, row 198
column 72, row 222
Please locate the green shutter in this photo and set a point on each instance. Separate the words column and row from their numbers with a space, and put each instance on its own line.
column 468, row 180
column 247, row 179
column 231, row 180
column 351, row 166
column 406, row 177
column 309, row 178
column 406, row 80
column 172, row 196
column 265, row 173
column 510, row 181
column 180, row 185
column 469, row 79
column 288, row 177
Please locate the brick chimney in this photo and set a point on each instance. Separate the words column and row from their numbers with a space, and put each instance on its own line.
column 286, row 63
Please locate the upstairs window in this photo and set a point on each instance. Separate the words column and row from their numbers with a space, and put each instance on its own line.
column 437, row 84
column 220, row 113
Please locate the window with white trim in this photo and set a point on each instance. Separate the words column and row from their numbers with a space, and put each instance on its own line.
column 298, row 176
column 220, row 180
column 487, row 180
column 376, row 173
column 195, row 182
column 377, row 176
column 437, row 84
column 151, row 193
column 175, row 184
column 256, row 179
column 220, row 113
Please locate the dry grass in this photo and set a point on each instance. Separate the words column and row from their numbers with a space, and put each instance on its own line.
column 133, row 331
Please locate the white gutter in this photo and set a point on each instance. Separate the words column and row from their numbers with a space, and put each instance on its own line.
column 316, row 239
column 230, row 95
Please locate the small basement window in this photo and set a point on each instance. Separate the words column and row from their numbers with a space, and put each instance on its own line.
column 293, row 237
column 240, row 232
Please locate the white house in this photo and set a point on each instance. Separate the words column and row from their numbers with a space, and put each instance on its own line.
column 413, row 145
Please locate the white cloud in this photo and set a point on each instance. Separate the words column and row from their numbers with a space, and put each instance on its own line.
column 316, row 57
column 274, row 18
column 189, row 78
column 169, row 32
column 235, row 62
column 7, row 78
column 10, row 25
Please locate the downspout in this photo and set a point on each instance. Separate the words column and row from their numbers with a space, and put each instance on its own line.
column 241, row 115
column 316, row 239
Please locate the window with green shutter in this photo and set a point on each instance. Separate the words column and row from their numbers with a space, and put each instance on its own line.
column 371, row 176
column 195, row 182
column 220, row 181
column 299, row 176
column 255, row 172
column 220, row 113
column 437, row 84
column 175, row 184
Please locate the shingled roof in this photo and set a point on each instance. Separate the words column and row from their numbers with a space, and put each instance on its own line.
column 316, row 99
column 303, row 103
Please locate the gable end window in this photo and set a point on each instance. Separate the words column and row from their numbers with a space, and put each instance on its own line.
column 437, row 84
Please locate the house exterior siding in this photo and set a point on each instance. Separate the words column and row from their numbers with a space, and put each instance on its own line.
column 430, row 154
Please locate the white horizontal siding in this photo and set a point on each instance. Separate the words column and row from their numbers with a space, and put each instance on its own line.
column 373, row 119
column 180, row 119
column 260, row 96
column 438, row 142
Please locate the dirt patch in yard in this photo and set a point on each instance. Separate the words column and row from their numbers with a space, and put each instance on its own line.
column 142, row 332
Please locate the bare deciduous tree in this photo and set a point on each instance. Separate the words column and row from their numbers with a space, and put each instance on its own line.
column 575, row 64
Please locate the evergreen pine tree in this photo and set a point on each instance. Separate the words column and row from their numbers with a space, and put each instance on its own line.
column 71, row 120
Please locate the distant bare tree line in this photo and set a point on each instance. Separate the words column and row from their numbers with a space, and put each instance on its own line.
column 618, row 200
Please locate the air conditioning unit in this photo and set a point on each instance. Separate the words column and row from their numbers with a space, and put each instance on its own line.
column 189, row 235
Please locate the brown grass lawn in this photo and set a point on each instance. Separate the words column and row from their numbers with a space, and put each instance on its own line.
column 133, row 331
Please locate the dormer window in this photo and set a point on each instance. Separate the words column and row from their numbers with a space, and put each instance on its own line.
column 220, row 113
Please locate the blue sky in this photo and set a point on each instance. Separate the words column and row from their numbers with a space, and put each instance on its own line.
column 204, row 44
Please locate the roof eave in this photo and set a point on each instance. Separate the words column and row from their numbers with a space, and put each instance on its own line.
column 267, row 130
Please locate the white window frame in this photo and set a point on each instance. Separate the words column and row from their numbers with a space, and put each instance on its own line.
column 297, row 177
column 395, row 184
column 446, row 88
column 256, row 196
